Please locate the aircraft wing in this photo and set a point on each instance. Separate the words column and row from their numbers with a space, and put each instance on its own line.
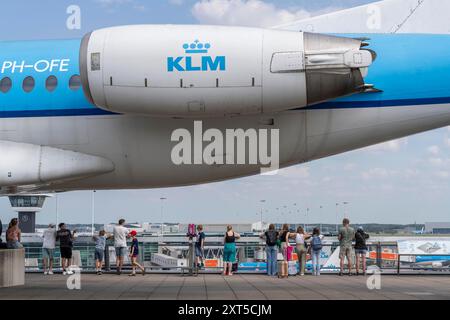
column 388, row 16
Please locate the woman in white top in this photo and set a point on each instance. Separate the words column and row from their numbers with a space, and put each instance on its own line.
column 300, row 238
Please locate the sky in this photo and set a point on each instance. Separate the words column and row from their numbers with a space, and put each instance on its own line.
column 402, row 181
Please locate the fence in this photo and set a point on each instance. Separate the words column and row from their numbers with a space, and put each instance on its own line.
column 383, row 255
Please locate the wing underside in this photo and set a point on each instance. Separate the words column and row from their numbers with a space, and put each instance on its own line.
column 388, row 16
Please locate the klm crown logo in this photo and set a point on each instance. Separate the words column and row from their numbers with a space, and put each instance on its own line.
column 196, row 47
column 196, row 59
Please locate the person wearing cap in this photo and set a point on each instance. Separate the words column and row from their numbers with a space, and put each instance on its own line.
column 134, row 254
column 48, row 249
column 361, row 249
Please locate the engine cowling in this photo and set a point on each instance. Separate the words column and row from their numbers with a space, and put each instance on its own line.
column 210, row 71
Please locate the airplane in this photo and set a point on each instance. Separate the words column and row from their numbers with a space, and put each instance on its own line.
column 432, row 262
column 100, row 113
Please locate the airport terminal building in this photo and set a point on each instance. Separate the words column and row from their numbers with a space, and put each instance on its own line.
column 437, row 228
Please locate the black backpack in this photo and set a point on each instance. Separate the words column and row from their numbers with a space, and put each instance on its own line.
column 272, row 237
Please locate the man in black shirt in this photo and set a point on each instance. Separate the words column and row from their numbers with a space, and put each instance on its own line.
column 199, row 247
column 361, row 249
column 65, row 238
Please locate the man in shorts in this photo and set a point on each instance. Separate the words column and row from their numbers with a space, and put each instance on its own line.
column 120, row 244
column 65, row 238
column 199, row 247
column 346, row 237
column 48, row 249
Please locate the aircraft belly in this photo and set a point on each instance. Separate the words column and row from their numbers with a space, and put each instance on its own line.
column 335, row 131
column 141, row 147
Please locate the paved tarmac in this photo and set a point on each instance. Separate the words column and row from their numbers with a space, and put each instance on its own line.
column 237, row 287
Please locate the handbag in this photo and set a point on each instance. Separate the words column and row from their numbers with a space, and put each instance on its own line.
column 289, row 251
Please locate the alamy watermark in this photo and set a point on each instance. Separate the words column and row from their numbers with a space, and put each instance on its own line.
column 73, row 21
column 231, row 147
column 374, row 19
column 74, row 280
column 374, row 281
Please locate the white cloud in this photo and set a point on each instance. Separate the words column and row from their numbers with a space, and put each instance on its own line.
column 244, row 13
column 447, row 142
column 390, row 146
column 434, row 150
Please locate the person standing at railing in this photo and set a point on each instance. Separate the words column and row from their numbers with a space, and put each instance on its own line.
column 48, row 249
column 271, row 237
column 284, row 240
column 120, row 244
column 361, row 250
column 300, row 237
column 316, row 249
column 13, row 235
column 229, row 251
column 65, row 238
column 200, row 247
column 134, row 254
column 346, row 237
column 100, row 246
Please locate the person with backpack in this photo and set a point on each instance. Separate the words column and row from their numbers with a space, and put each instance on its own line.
column 316, row 249
column 300, row 237
column 271, row 237
column 361, row 249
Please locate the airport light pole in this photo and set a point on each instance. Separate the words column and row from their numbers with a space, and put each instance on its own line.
column 345, row 209
column 307, row 219
column 262, row 204
column 337, row 205
column 162, row 215
column 93, row 212
column 321, row 207
column 57, row 213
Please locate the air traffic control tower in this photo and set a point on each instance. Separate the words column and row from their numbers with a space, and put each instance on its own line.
column 27, row 206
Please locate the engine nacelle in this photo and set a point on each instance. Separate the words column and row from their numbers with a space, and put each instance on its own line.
column 210, row 71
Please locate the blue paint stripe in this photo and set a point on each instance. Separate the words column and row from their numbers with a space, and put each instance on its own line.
column 322, row 106
column 54, row 113
column 378, row 103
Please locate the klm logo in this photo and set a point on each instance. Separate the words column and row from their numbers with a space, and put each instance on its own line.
column 191, row 63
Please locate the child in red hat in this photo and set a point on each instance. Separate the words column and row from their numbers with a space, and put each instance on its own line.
column 134, row 254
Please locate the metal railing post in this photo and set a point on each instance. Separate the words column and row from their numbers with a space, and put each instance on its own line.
column 107, row 262
column 379, row 256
